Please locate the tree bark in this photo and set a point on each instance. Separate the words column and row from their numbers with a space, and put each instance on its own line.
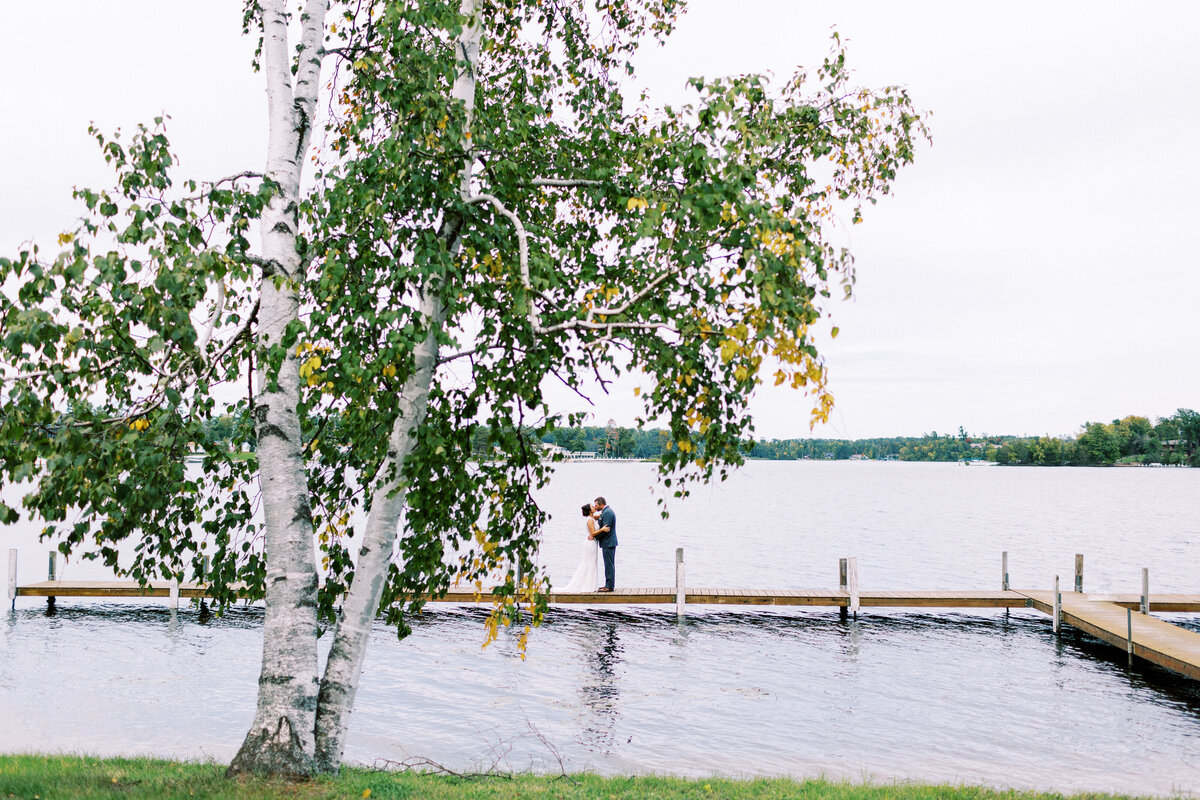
column 281, row 739
column 344, row 667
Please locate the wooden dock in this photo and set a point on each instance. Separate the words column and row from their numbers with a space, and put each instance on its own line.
column 1138, row 634
column 666, row 595
column 109, row 589
column 1121, row 620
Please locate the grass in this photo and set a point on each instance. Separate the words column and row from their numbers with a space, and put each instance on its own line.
column 32, row 777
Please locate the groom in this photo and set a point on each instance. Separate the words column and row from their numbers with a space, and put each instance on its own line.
column 606, row 537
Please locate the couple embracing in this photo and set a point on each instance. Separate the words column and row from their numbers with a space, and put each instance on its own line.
column 601, row 540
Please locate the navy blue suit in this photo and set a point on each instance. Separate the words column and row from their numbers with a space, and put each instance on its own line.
column 608, row 545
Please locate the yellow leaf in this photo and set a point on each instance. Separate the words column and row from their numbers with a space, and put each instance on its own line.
column 389, row 371
column 309, row 367
column 366, row 793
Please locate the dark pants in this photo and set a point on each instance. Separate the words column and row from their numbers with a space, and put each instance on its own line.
column 610, row 566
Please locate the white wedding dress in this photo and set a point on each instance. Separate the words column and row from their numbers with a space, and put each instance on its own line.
column 587, row 574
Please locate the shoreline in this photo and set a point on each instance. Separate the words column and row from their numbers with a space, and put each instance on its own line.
column 77, row 776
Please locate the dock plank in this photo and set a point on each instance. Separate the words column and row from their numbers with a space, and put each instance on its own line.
column 1158, row 602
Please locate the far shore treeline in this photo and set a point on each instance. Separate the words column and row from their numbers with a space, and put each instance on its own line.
column 1169, row 440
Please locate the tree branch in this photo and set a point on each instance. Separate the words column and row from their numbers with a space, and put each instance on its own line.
column 522, row 244
column 565, row 182
column 207, row 333
column 27, row 376
column 232, row 178
column 607, row 327
column 573, row 324
column 608, row 311
column 243, row 331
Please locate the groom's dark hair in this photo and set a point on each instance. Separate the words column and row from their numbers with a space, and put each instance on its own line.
column 600, row 501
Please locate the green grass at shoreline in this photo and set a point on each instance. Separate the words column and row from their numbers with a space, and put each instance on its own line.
column 52, row 777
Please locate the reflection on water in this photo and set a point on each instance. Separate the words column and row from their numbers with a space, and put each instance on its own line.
column 600, row 688
column 851, row 639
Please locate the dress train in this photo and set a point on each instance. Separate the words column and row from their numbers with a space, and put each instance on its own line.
column 587, row 574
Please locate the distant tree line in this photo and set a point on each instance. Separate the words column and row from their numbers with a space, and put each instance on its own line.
column 611, row 441
column 1132, row 440
column 1168, row 440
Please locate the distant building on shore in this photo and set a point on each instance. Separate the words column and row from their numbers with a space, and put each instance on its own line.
column 554, row 450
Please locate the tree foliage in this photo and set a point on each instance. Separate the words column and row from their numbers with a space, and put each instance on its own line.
column 111, row 371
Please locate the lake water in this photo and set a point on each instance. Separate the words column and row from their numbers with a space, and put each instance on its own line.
column 983, row 697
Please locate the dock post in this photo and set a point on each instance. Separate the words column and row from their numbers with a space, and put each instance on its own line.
column 173, row 595
column 12, row 579
column 1145, row 590
column 1057, row 608
column 51, row 575
column 842, row 584
column 205, row 564
column 852, row 584
column 1129, row 634
column 1004, row 571
column 1079, row 572
column 680, row 583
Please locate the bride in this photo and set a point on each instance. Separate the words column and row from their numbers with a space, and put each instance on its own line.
column 587, row 575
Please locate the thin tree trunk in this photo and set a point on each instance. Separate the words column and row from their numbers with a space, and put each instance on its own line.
column 344, row 667
column 280, row 740
column 342, row 670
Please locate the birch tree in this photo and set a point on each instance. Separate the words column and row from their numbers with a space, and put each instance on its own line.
column 491, row 211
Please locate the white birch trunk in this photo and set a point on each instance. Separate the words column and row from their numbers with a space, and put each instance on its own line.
column 281, row 740
column 340, row 682
column 344, row 667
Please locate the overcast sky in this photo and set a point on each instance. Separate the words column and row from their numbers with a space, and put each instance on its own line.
column 1037, row 267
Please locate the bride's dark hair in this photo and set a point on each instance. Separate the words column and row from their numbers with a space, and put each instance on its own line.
column 587, row 509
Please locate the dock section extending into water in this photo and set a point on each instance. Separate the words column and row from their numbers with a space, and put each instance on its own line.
column 1121, row 620
column 1138, row 634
